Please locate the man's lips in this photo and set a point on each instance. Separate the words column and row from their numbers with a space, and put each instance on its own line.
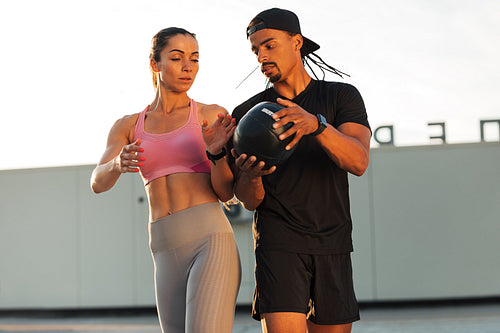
column 267, row 68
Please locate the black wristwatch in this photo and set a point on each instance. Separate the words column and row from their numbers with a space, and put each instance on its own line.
column 217, row 157
column 321, row 125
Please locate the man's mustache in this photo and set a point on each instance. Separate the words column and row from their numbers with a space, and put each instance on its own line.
column 267, row 63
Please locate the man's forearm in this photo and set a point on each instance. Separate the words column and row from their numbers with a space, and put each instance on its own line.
column 348, row 147
column 250, row 191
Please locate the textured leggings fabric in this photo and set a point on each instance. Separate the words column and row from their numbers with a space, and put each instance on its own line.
column 197, row 270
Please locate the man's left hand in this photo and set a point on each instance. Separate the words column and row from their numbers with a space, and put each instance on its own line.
column 304, row 123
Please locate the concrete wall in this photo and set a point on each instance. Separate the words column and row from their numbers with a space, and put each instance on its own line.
column 434, row 213
column 426, row 226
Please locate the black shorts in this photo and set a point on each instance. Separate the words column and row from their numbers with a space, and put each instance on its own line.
column 320, row 286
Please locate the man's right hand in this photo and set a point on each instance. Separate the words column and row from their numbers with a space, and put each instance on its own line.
column 247, row 164
column 249, row 188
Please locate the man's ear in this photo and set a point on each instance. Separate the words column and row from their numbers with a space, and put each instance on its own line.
column 299, row 42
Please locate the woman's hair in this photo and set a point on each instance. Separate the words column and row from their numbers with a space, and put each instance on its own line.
column 160, row 41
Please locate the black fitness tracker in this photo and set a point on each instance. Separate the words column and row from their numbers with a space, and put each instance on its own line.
column 322, row 124
column 216, row 157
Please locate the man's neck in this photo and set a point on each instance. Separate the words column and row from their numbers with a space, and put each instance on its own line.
column 293, row 85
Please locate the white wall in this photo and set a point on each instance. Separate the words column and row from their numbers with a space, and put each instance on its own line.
column 63, row 246
column 436, row 215
column 426, row 226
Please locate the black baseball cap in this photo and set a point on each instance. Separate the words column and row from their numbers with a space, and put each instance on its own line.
column 281, row 19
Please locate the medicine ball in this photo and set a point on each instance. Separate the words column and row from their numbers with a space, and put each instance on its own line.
column 256, row 136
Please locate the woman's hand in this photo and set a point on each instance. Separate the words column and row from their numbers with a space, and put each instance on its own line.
column 129, row 160
column 217, row 134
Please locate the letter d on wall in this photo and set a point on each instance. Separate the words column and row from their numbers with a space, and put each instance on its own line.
column 389, row 132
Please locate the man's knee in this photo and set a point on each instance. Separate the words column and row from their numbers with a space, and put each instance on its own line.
column 315, row 328
column 284, row 322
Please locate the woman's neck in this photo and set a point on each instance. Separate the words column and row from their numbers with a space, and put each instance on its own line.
column 167, row 102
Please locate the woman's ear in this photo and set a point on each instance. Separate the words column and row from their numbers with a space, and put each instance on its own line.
column 154, row 65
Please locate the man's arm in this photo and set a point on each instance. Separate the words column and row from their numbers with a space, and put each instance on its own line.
column 348, row 147
column 248, row 186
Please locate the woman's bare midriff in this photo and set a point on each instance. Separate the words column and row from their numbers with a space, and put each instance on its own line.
column 175, row 192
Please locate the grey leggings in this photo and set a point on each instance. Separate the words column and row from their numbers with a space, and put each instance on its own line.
column 197, row 270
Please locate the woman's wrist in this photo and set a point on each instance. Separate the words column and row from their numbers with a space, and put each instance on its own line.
column 217, row 156
column 214, row 150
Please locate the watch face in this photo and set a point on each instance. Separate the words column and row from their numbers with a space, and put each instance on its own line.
column 322, row 124
column 322, row 119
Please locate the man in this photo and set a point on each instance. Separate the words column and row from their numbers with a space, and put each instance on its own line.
column 302, row 224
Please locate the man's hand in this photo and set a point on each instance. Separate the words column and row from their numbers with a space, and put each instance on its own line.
column 304, row 123
column 248, row 165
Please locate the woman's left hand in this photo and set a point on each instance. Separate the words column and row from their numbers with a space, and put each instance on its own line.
column 217, row 134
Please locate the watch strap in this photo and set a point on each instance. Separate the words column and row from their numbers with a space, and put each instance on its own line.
column 216, row 157
column 321, row 125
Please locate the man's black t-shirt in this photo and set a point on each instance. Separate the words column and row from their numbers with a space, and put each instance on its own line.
column 306, row 206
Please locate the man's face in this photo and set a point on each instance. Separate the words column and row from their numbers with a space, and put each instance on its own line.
column 276, row 51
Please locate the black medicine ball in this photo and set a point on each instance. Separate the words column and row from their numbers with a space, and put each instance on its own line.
column 256, row 136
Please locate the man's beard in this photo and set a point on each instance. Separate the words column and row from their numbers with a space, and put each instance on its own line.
column 275, row 78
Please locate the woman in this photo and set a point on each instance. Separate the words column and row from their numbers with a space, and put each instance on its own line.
column 197, row 267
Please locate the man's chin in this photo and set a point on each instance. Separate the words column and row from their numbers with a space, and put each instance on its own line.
column 275, row 78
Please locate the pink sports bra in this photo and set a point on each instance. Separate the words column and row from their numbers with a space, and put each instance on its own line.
column 181, row 150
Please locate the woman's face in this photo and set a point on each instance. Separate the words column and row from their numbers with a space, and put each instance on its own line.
column 178, row 63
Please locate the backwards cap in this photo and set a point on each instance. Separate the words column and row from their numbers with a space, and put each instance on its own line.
column 281, row 19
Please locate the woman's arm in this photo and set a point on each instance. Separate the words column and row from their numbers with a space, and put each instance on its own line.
column 119, row 157
column 216, row 136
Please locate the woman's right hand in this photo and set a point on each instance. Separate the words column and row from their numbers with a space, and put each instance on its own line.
column 119, row 157
column 129, row 159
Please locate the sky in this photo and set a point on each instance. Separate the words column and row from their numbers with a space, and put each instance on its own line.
column 70, row 69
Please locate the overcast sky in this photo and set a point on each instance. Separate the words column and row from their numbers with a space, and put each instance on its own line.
column 69, row 69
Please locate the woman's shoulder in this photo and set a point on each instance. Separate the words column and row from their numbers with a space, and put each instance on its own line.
column 125, row 125
column 210, row 108
column 210, row 111
column 127, row 120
